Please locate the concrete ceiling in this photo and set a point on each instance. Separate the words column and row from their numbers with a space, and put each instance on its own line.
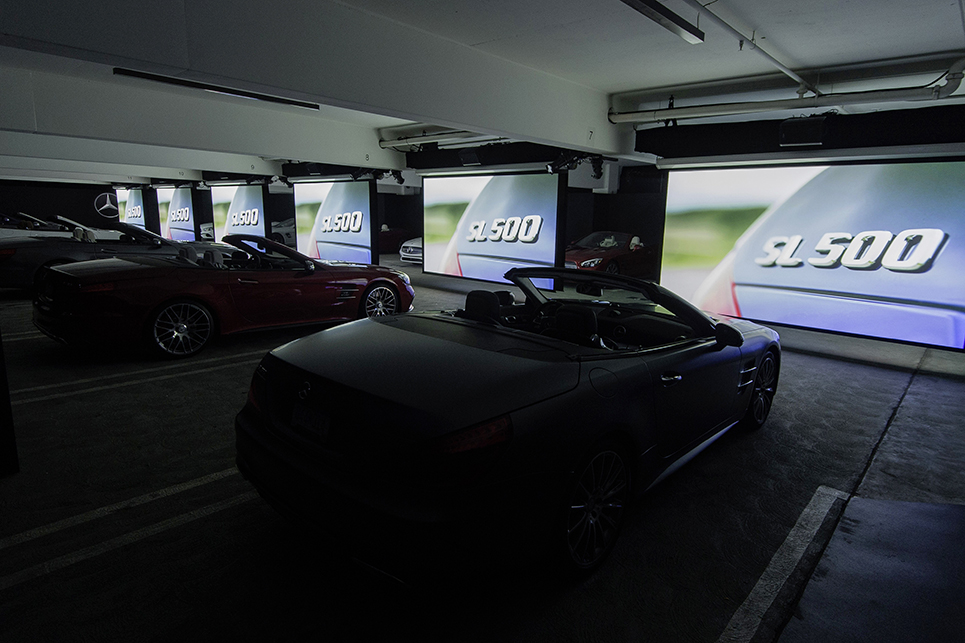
column 546, row 71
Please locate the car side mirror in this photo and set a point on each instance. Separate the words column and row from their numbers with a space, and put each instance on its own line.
column 727, row 335
column 310, row 266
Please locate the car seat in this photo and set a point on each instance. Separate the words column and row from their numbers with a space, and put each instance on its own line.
column 481, row 305
column 213, row 258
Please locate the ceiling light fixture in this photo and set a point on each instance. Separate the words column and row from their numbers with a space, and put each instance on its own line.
column 667, row 19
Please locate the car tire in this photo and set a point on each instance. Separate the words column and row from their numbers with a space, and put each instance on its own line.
column 612, row 268
column 762, row 394
column 594, row 508
column 181, row 329
column 379, row 300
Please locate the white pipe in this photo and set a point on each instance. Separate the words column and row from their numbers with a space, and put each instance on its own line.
column 751, row 45
column 431, row 138
column 953, row 81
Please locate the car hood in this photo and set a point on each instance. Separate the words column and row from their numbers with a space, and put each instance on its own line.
column 446, row 372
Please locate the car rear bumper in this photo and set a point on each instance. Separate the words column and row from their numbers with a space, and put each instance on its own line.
column 383, row 521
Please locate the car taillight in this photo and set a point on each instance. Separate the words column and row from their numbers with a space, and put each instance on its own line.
column 480, row 436
column 467, row 454
column 102, row 287
column 718, row 293
column 7, row 253
column 258, row 390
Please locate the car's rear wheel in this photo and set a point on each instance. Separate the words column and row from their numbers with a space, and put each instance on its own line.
column 181, row 329
column 762, row 395
column 594, row 508
column 380, row 300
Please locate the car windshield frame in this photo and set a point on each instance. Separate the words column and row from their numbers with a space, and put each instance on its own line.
column 601, row 289
column 268, row 250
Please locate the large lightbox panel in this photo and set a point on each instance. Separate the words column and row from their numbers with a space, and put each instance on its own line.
column 131, row 203
column 180, row 215
column 334, row 220
column 481, row 226
column 868, row 249
column 239, row 209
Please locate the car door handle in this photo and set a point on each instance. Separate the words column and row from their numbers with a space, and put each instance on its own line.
column 247, row 281
column 669, row 379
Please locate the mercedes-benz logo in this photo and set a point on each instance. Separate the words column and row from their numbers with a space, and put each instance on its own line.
column 106, row 205
column 306, row 389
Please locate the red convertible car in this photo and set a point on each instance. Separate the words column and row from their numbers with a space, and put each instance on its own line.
column 178, row 305
column 613, row 252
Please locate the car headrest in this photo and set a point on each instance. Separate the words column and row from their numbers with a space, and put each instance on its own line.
column 482, row 305
column 214, row 258
column 188, row 253
column 505, row 297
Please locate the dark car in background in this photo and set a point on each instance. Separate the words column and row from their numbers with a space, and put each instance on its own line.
column 24, row 258
column 24, row 225
column 178, row 305
column 517, row 426
column 613, row 252
column 870, row 250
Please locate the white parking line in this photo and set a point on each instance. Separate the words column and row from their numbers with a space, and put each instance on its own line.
column 80, row 555
column 747, row 619
column 20, row 337
column 180, row 367
column 144, row 380
column 109, row 509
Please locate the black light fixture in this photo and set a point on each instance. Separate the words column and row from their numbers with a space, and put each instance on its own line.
column 215, row 89
column 667, row 19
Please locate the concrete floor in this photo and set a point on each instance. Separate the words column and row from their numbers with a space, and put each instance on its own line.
column 128, row 521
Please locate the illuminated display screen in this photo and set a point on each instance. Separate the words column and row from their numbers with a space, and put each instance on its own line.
column 131, row 203
column 238, row 210
column 863, row 249
column 180, row 215
column 333, row 222
column 481, row 226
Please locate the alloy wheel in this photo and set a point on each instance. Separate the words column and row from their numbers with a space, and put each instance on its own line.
column 182, row 329
column 381, row 301
column 595, row 510
column 765, row 386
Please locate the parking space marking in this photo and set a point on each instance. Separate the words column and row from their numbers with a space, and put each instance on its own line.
column 747, row 619
column 145, row 380
column 53, row 527
column 21, row 337
column 180, row 367
column 55, row 564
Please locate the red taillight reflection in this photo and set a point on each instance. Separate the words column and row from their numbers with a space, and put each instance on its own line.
column 463, row 457
column 104, row 287
column 6, row 253
column 476, row 437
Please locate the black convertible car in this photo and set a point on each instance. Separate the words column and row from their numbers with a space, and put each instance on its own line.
column 522, row 423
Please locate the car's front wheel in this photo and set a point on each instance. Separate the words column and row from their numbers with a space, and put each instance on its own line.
column 380, row 300
column 762, row 395
column 594, row 508
column 181, row 329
